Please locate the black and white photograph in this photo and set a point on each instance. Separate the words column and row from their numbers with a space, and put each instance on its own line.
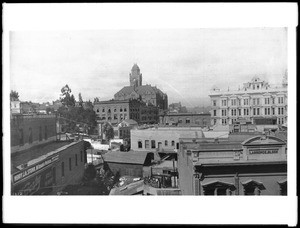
column 116, row 113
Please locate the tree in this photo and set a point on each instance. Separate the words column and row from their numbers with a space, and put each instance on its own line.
column 108, row 131
column 80, row 99
column 14, row 95
column 67, row 99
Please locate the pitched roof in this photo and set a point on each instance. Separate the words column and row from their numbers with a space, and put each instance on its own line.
column 130, row 157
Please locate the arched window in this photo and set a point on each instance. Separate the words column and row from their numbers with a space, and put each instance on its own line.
column 166, row 142
column 252, row 187
column 217, row 187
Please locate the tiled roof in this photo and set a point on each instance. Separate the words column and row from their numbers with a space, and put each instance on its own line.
column 129, row 157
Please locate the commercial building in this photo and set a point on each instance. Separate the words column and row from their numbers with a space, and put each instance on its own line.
column 255, row 166
column 115, row 111
column 46, row 169
column 185, row 119
column 147, row 93
column 162, row 139
column 257, row 102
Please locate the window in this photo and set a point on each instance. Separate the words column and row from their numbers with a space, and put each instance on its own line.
column 273, row 111
column 97, row 109
column 215, row 112
column 254, row 111
column 246, row 111
column 246, row 101
column 147, row 146
column 180, row 121
column 115, row 116
column 76, row 163
column 70, row 164
column 152, row 144
column 173, row 143
column 214, row 103
column 215, row 121
column 224, row 121
column 280, row 100
column 224, row 102
column 30, row 136
column 109, row 111
column 103, row 110
column 233, row 102
column 125, row 110
column 140, row 144
column 46, row 133
column 166, row 142
column 267, row 100
column 62, row 169
column 279, row 109
column 240, row 113
column 223, row 112
column 40, row 134
column 177, row 146
column 187, row 120
column 21, row 137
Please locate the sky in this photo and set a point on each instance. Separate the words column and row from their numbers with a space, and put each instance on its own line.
column 183, row 63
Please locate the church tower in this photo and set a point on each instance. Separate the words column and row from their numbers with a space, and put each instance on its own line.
column 135, row 77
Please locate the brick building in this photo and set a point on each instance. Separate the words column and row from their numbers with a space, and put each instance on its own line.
column 147, row 93
column 115, row 111
column 46, row 169
column 30, row 130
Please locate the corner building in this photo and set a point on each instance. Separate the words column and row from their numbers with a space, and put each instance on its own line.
column 257, row 102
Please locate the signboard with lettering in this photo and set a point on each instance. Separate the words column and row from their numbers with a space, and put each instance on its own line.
column 29, row 171
column 263, row 151
column 39, row 184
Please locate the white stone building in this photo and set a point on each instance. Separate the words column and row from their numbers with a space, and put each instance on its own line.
column 257, row 102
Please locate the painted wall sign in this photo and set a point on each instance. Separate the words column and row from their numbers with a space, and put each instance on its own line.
column 40, row 184
column 263, row 151
column 33, row 169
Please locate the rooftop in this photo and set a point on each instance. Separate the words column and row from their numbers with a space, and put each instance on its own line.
column 33, row 153
column 130, row 157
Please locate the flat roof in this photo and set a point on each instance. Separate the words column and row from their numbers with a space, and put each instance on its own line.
column 34, row 152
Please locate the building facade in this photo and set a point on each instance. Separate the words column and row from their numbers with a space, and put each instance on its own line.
column 161, row 139
column 185, row 120
column 257, row 102
column 30, row 130
column 47, row 169
column 115, row 111
column 147, row 93
column 257, row 166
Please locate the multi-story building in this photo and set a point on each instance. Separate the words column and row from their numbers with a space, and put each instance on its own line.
column 147, row 93
column 185, row 119
column 30, row 130
column 256, row 165
column 40, row 163
column 115, row 111
column 257, row 102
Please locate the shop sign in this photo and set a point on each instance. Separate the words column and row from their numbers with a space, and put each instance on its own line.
column 263, row 151
column 39, row 184
column 34, row 168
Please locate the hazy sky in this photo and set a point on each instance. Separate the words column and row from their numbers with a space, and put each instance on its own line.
column 184, row 63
